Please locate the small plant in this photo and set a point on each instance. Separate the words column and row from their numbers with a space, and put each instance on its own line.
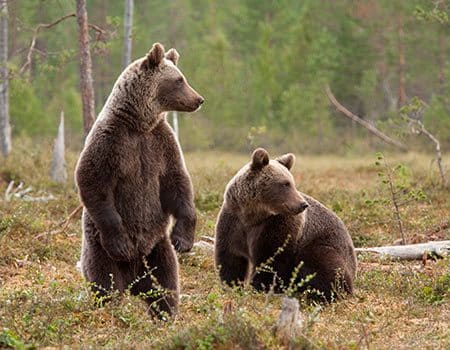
column 9, row 340
column 412, row 113
column 297, row 287
column 400, row 191
column 437, row 291
column 266, row 267
column 254, row 132
column 435, row 14
column 296, row 284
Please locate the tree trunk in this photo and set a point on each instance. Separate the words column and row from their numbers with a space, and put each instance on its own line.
column 401, row 64
column 102, row 63
column 13, row 31
column 128, row 26
column 5, row 128
column 86, row 82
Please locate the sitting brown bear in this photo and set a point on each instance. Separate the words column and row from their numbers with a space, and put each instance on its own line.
column 268, row 232
column 132, row 180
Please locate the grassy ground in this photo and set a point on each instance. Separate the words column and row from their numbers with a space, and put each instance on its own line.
column 44, row 301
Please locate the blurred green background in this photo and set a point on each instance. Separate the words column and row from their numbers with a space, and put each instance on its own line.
column 261, row 65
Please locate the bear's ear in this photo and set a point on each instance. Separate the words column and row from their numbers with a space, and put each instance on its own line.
column 173, row 55
column 260, row 158
column 287, row 160
column 154, row 57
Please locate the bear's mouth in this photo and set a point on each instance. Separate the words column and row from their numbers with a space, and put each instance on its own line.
column 188, row 108
column 296, row 209
column 198, row 108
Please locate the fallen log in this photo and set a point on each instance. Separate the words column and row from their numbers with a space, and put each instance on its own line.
column 437, row 249
column 411, row 251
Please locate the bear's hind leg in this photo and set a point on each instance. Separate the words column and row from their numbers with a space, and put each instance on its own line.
column 157, row 281
column 331, row 276
column 275, row 274
column 103, row 273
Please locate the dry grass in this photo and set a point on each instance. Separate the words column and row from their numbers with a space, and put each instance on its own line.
column 45, row 302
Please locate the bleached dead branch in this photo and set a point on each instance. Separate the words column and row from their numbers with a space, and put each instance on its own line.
column 23, row 194
column 58, row 172
column 411, row 251
column 290, row 322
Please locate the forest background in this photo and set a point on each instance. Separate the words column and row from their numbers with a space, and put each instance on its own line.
column 261, row 65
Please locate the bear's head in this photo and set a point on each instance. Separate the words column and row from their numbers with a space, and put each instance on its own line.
column 155, row 85
column 266, row 187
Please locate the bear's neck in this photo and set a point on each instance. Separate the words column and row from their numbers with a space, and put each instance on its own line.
column 253, row 215
column 135, row 115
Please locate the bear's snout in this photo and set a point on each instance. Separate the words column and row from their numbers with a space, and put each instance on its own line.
column 198, row 101
column 195, row 100
column 295, row 208
column 301, row 207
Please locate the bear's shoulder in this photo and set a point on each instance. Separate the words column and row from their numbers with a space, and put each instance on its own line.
column 321, row 223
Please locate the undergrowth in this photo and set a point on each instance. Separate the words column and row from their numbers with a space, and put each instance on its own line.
column 46, row 303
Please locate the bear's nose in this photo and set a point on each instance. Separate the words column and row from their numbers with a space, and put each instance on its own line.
column 302, row 207
column 200, row 100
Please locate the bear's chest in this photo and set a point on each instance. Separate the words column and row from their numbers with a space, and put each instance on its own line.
column 275, row 234
column 137, row 190
column 141, row 163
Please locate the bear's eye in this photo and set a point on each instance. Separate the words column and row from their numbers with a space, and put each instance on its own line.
column 286, row 184
column 180, row 80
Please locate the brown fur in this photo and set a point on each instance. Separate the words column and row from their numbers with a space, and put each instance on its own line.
column 262, row 212
column 132, row 179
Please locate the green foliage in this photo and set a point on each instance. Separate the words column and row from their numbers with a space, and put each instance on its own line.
column 9, row 340
column 256, row 132
column 258, row 64
column 436, row 118
column 434, row 14
column 413, row 108
column 437, row 290
column 208, row 201
column 27, row 111
column 306, row 111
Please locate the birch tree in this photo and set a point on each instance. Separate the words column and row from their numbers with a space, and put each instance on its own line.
column 5, row 128
column 128, row 33
column 86, row 82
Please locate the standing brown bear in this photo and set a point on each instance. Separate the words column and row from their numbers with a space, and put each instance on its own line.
column 274, row 236
column 132, row 180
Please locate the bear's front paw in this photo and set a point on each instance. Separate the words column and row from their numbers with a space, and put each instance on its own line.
column 119, row 249
column 181, row 245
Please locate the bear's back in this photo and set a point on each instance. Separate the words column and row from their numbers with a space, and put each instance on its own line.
column 323, row 227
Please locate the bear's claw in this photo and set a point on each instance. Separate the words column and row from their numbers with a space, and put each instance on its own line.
column 181, row 245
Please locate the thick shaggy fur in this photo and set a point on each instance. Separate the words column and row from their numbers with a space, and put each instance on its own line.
column 132, row 179
column 262, row 212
